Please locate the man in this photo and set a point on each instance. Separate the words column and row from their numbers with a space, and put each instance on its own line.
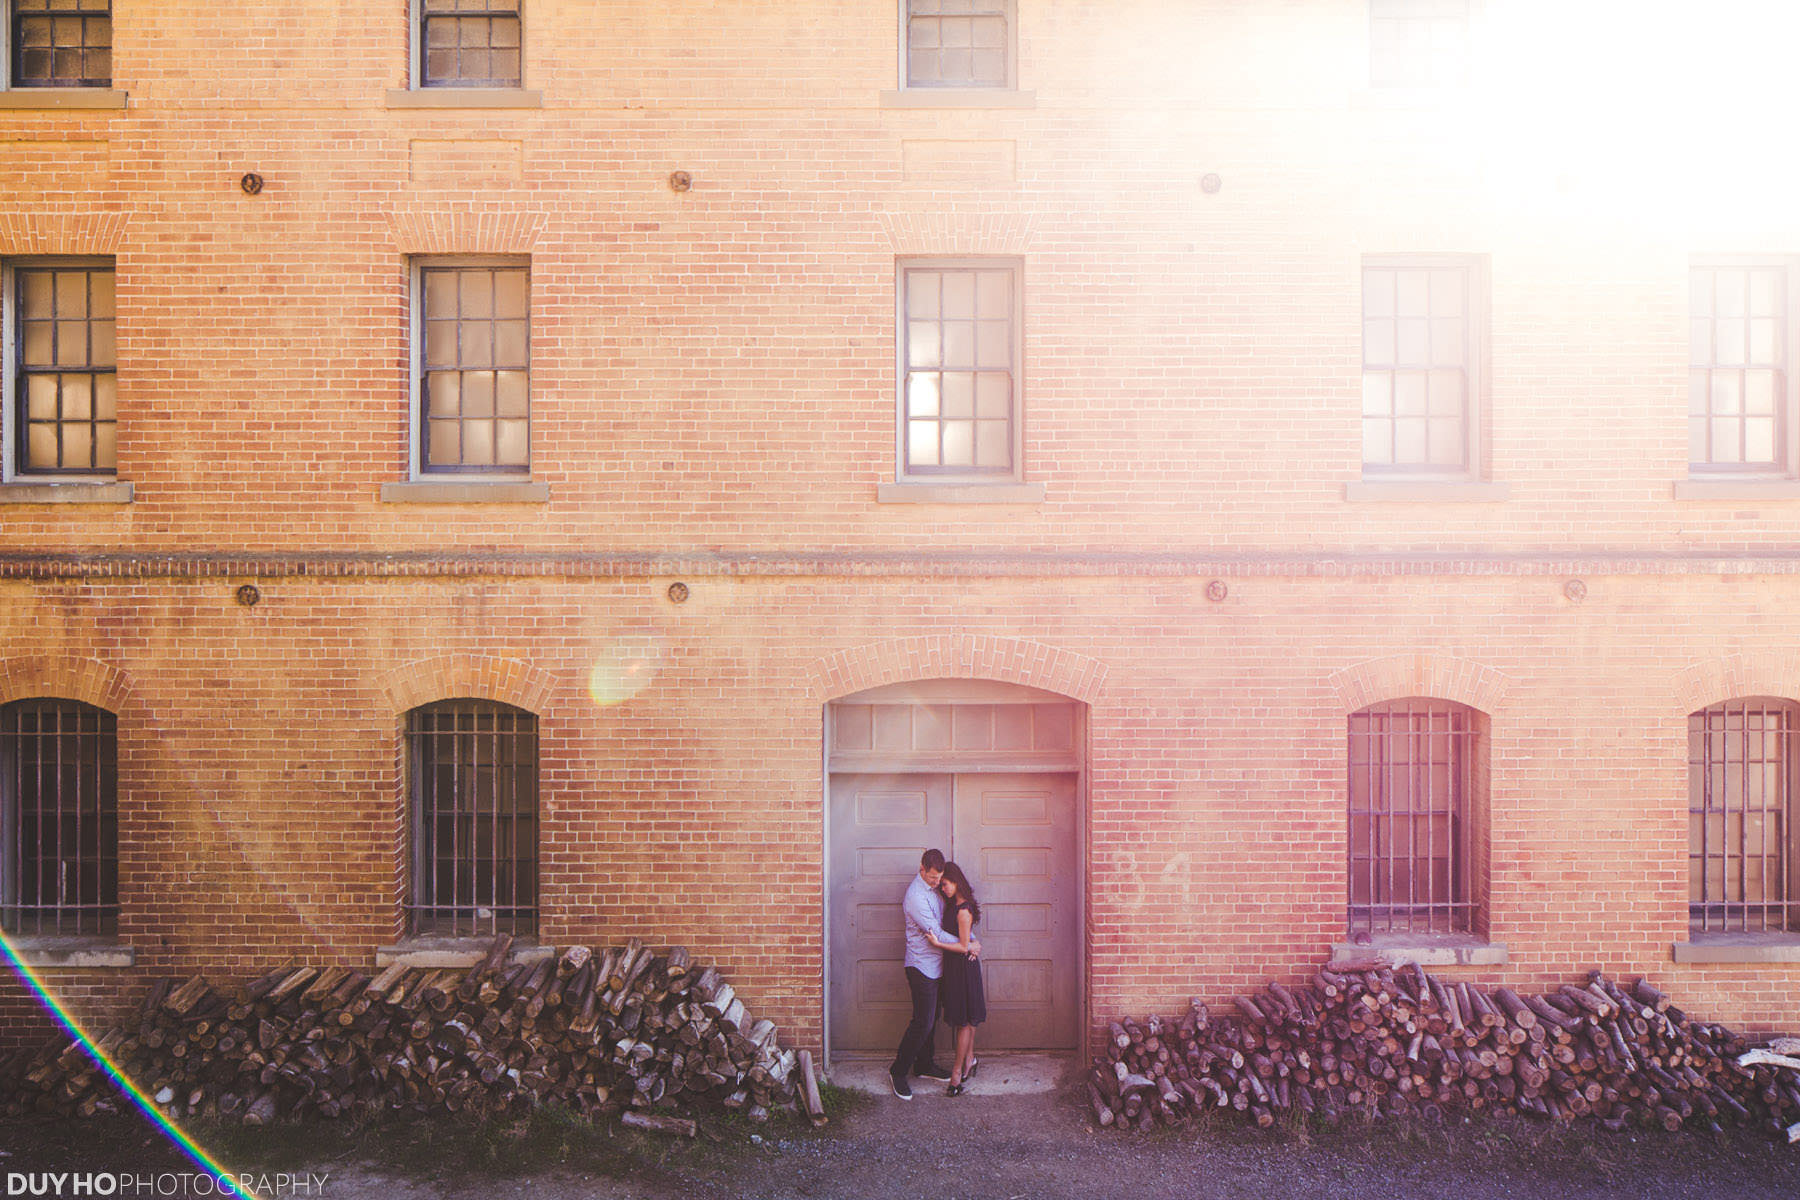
column 922, row 912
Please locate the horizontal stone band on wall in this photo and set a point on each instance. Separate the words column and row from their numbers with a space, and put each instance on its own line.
column 900, row 564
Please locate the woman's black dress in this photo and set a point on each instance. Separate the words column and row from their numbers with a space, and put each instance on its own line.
column 964, row 1001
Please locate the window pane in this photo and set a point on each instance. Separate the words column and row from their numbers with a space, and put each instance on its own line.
column 443, row 391
column 923, row 345
column 922, row 443
column 959, row 443
column 922, row 293
column 922, row 394
column 993, row 444
column 512, row 390
column 1378, row 394
column 959, row 394
column 993, row 395
column 511, row 448
column 512, row 295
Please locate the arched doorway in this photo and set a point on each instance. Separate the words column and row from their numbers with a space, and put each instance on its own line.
column 992, row 775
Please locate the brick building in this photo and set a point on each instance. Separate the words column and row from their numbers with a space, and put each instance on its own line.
column 1193, row 462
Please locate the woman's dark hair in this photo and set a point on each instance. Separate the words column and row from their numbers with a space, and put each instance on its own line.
column 964, row 893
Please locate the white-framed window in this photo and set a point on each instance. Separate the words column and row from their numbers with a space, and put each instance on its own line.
column 61, row 385
column 471, row 374
column 961, row 347
column 1741, row 344
column 1418, row 43
column 958, row 43
column 468, row 43
column 1423, row 372
column 59, row 43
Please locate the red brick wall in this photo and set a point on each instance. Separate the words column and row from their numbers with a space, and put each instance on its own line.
column 259, row 792
column 713, row 379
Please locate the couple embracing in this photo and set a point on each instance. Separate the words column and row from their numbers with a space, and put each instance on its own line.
column 942, row 964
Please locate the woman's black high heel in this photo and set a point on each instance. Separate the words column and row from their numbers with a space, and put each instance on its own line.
column 970, row 1073
column 955, row 1089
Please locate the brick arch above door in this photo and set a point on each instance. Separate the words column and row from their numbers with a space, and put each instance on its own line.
column 65, row 677
column 958, row 656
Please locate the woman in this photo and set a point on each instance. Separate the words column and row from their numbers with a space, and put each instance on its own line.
column 965, row 1004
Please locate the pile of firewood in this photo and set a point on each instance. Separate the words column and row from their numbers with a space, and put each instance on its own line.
column 622, row 1030
column 1388, row 1041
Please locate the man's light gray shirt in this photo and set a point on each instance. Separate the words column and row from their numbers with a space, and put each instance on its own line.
column 923, row 911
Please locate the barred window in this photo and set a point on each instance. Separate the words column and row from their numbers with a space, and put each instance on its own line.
column 1418, row 43
column 470, row 43
column 960, row 374
column 1739, row 404
column 474, row 801
column 474, row 367
column 61, row 43
column 59, row 818
column 959, row 43
column 1741, row 852
column 1412, row 798
column 1419, row 366
column 65, row 386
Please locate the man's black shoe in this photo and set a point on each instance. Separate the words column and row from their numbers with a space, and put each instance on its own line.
column 932, row 1072
column 902, row 1088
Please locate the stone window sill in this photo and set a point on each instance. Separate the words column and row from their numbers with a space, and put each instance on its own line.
column 464, row 491
column 958, row 98
column 1426, row 491
column 1739, row 948
column 64, row 98
column 453, row 97
column 19, row 492
column 452, row 952
column 50, row 951
column 1724, row 487
column 1440, row 950
column 959, row 493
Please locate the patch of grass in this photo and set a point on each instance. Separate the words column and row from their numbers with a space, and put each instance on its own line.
column 842, row 1103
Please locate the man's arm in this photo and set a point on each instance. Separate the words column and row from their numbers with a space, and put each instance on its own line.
column 917, row 908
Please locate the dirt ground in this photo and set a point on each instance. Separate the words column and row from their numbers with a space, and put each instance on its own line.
column 993, row 1147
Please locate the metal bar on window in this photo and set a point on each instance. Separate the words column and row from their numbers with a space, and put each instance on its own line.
column 1424, row 749
column 471, row 759
column 57, row 783
column 1741, row 770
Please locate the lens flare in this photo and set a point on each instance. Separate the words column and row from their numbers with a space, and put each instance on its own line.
column 626, row 667
column 228, row 1186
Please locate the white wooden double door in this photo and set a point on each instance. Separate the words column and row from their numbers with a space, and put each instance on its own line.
column 1015, row 835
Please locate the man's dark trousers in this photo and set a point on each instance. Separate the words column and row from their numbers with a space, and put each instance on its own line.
column 917, row 1054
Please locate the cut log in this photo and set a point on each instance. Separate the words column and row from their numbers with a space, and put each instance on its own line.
column 809, row 1090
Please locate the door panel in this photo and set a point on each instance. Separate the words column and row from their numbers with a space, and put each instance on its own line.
column 1015, row 838
column 880, row 825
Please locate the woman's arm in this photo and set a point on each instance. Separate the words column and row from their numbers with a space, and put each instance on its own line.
column 965, row 921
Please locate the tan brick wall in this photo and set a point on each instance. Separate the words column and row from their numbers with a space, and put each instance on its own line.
column 713, row 377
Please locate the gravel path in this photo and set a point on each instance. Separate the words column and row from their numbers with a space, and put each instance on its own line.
column 1013, row 1147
